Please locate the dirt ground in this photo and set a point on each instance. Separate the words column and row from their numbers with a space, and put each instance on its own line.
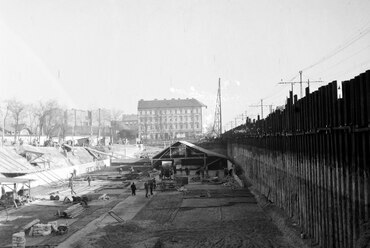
column 207, row 216
column 12, row 220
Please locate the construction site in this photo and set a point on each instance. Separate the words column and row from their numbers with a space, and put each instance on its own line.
column 197, row 200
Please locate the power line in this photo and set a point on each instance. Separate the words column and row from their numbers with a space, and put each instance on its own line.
column 261, row 105
column 363, row 31
column 340, row 48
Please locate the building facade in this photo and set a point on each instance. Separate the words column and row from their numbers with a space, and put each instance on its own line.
column 170, row 119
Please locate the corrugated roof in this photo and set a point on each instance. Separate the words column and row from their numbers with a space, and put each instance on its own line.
column 172, row 103
column 207, row 152
column 13, row 163
column 15, row 180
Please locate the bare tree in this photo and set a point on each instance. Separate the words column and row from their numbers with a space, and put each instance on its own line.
column 32, row 118
column 50, row 118
column 4, row 114
column 16, row 109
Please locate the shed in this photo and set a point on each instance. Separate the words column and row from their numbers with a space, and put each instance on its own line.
column 12, row 184
column 183, row 154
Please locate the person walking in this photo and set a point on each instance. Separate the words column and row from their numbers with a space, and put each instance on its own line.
column 89, row 179
column 71, row 185
column 133, row 189
column 146, row 186
column 151, row 186
column 154, row 183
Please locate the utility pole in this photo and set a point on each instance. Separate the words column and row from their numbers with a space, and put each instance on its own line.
column 98, row 128
column 261, row 106
column 3, row 133
column 217, row 125
column 300, row 83
column 74, row 128
column 219, row 89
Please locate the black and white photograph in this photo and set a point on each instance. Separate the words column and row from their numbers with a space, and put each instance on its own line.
column 185, row 123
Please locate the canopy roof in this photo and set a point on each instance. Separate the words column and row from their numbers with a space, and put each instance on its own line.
column 189, row 153
column 15, row 180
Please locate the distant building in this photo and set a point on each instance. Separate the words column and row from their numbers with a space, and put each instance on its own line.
column 127, row 128
column 130, row 120
column 170, row 119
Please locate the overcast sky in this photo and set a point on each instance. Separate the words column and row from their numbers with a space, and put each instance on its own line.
column 110, row 54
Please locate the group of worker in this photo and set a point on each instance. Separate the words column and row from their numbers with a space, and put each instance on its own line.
column 149, row 186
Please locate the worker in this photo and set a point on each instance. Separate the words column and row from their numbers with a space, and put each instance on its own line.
column 120, row 171
column 151, row 186
column 146, row 186
column 133, row 189
column 71, row 185
column 154, row 183
column 187, row 171
column 89, row 179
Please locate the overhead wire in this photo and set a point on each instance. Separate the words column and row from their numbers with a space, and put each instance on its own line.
column 343, row 60
column 362, row 32
column 340, row 48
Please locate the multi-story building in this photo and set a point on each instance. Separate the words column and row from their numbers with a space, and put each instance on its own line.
column 170, row 119
column 130, row 120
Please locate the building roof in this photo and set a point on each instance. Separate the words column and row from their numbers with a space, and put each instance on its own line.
column 132, row 117
column 172, row 103
column 208, row 152
column 199, row 149
column 15, row 180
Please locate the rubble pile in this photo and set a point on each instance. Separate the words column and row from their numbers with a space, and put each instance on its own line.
column 40, row 229
column 73, row 211
column 19, row 240
column 230, row 182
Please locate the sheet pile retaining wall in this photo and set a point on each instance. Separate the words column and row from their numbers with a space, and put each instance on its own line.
column 312, row 159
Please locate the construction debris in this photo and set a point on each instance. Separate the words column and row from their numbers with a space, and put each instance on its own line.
column 41, row 229
column 73, row 211
column 62, row 229
column 19, row 240
column 29, row 225
column 230, row 182
column 104, row 197
column 115, row 216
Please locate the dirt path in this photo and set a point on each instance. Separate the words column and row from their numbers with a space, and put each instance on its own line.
column 207, row 216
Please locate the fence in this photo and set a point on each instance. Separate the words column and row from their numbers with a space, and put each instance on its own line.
column 313, row 160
